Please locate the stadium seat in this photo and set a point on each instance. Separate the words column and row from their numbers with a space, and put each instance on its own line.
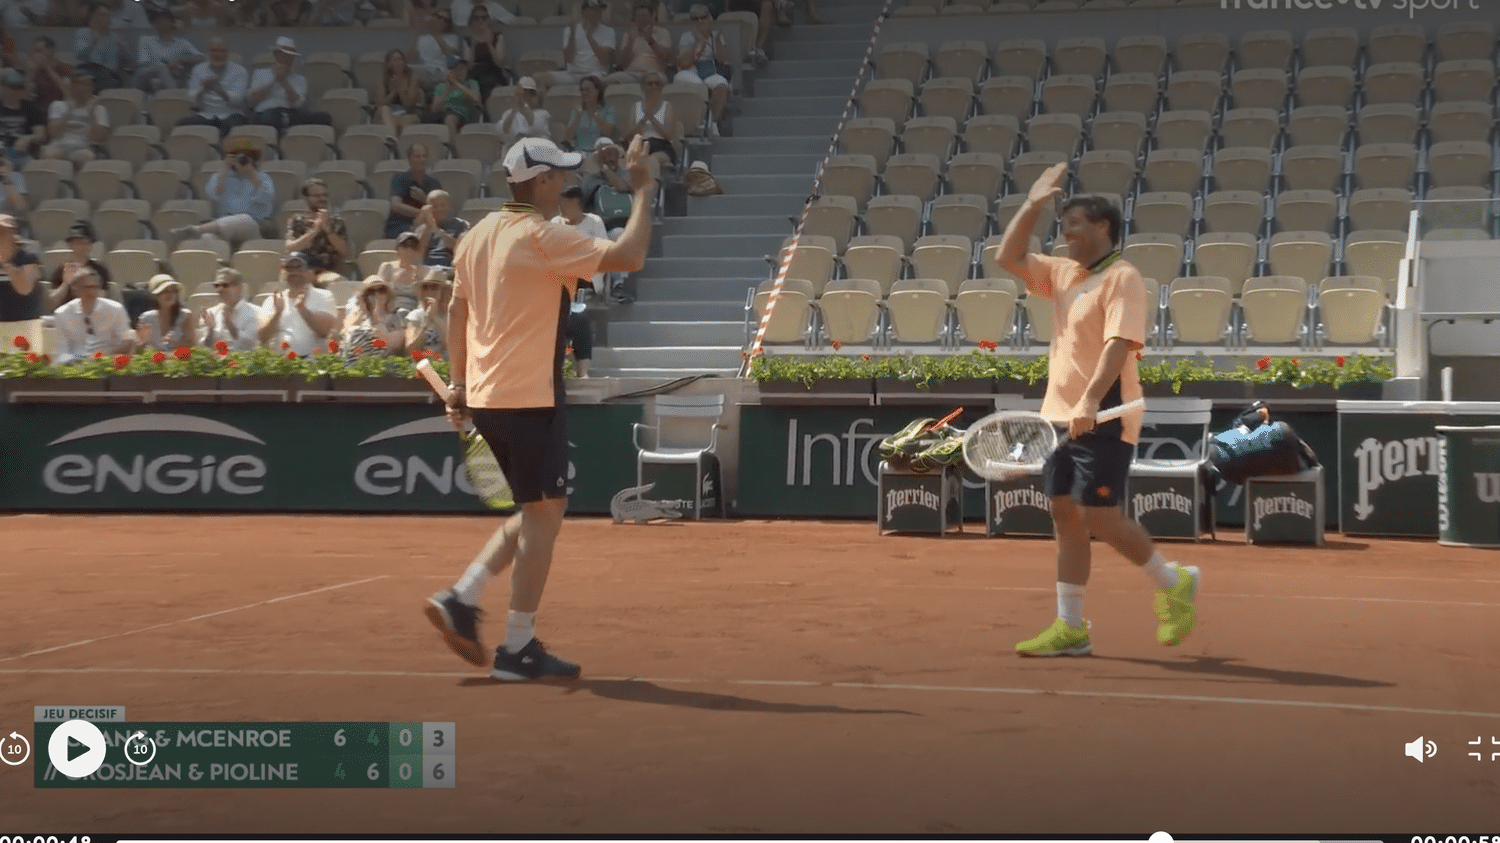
column 1334, row 45
column 1310, row 210
column 51, row 218
column 1250, row 127
column 813, row 261
column 918, row 309
column 135, row 144
column 1183, row 129
column 1402, row 42
column 1385, row 165
column 849, row 175
column 898, row 215
column 850, row 310
column 131, row 266
column 175, row 213
column 1259, row 87
column 1162, row 213
column 1459, row 163
column 789, row 321
column 992, row 133
column 1068, row 94
column 1393, row 83
column 46, row 178
column 169, row 105
column 326, row 71
column 194, row 145
column 1199, row 308
column 876, row 257
column 1392, row 123
column 1322, row 85
column 689, row 101
column 369, row 143
column 962, row 59
column 309, row 145
column 1083, row 56
column 1039, row 327
column 1312, row 167
column 197, row 265
column 1107, row 171
column 364, row 219
column 948, row 97
column 1029, row 166
column 1228, row 255
column 945, row 257
column 286, row 178
column 1317, row 125
column 888, row 98
column 1008, row 95
column 913, row 174
column 1380, row 208
column 1350, row 310
column 1465, row 40
column 1121, row 131
column 1140, row 54
column 1054, row 133
column 460, row 177
column 124, row 106
column 1136, row 92
column 1301, row 254
column 1202, row 52
column 265, row 137
column 1376, row 254
column 475, row 210
column 348, row 107
column 1194, row 90
column 906, row 60
column 872, row 136
column 1463, row 80
column 1234, row 210
column 990, row 268
column 116, row 220
column 1275, row 309
column 1020, row 57
column 1460, row 121
column 1269, row 49
column 1458, row 207
column 928, row 136
column 368, row 70
column 962, row 214
column 345, row 180
column 832, row 216
column 978, row 173
column 986, row 309
column 1177, row 170
column 1157, row 256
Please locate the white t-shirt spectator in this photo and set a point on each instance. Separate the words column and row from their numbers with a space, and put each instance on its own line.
column 235, row 82
column 593, row 226
column 512, row 125
column 585, row 61
column 104, row 329
column 76, row 131
column 265, row 77
column 461, row 10
column 431, row 55
column 151, row 50
column 131, row 15
column 246, row 319
column 13, row 15
column 293, row 329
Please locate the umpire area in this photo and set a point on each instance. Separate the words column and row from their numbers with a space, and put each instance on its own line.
column 772, row 677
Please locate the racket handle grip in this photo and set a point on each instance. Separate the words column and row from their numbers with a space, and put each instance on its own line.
column 1107, row 415
column 434, row 380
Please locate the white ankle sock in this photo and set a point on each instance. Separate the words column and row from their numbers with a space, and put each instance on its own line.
column 1070, row 604
column 470, row 586
column 1158, row 569
column 520, row 628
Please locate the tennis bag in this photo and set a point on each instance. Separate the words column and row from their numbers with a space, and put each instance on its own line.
column 1257, row 447
column 915, row 448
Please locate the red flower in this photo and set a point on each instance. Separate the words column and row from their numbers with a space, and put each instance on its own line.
column 378, row 343
column 21, row 343
column 744, row 355
column 1137, row 355
column 182, row 352
column 864, row 357
column 230, row 363
column 837, row 345
column 285, row 346
column 159, row 357
column 1339, row 362
column 32, row 358
column 333, row 346
column 291, row 355
column 98, row 355
column 436, row 356
column 1263, row 363
column 122, row 361
column 568, row 351
column 222, row 348
column 416, row 355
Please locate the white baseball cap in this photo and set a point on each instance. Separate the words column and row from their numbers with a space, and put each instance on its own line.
column 530, row 157
column 286, row 45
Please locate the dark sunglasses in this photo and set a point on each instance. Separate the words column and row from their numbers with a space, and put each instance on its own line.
column 699, row 17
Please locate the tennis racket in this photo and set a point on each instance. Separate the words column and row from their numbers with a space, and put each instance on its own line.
column 1013, row 443
column 480, row 466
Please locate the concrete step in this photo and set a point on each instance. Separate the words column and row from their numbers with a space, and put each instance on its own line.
column 699, row 268
column 680, row 311
column 851, row 49
column 649, row 374
column 757, row 146
column 780, row 205
column 821, row 86
column 671, row 358
column 766, row 165
column 843, row 68
column 753, row 185
column 831, row 31
column 729, row 243
column 804, row 106
column 702, row 287
column 778, row 127
column 694, row 334
column 704, row 224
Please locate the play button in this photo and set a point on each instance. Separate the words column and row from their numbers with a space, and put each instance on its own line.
column 76, row 749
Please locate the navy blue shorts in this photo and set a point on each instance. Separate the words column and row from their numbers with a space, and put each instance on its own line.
column 1093, row 469
column 532, row 449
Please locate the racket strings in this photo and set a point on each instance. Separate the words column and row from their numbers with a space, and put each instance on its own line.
column 1015, row 442
column 483, row 470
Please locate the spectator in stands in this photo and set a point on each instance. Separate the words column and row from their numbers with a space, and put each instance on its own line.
column 463, row 12
column 409, row 191
column 169, row 325
column 319, row 233
column 130, row 14
column 704, row 58
column 233, row 321
column 12, row 189
column 278, row 93
column 99, row 51
column 456, row 101
column 8, row 55
column 436, row 48
column 23, row 124
column 166, row 59
column 606, row 190
column 580, row 331
column 301, row 318
column 21, row 298
column 217, row 90
column 77, row 126
column 588, row 48
column 404, row 273
column 47, row 76
column 243, row 197
column 645, row 49
column 26, row 13
column 90, row 323
column 282, row 14
column 655, row 121
column 203, row 14
column 332, row 13
column 399, row 100
column 427, row 325
column 785, row 18
column 370, row 317
column 592, row 119
column 484, row 48
column 439, row 229
column 525, row 118
column 81, row 241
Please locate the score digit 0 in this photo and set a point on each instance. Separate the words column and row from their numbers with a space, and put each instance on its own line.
column 405, row 737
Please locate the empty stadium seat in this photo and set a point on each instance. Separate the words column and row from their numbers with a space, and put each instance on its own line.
column 1265, row 49
column 1312, row 167
column 1199, row 308
column 1389, row 123
column 1350, row 310
column 1107, row 171
column 1393, row 82
column 1228, row 255
column 1301, row 254
column 1380, row 208
column 1131, row 92
column 1010, row 95
column 1465, row 40
column 1385, row 165
column 985, row 309
column 879, row 257
column 872, row 136
column 1259, row 87
column 947, row 97
column 789, row 321
column 1068, row 94
column 1202, row 51
column 1039, row 328
column 978, row 173
column 1334, row 45
column 1157, row 256
column 946, row 257
column 1162, row 213
column 1459, row 163
column 1140, row 54
column 1118, row 130
column 1250, row 127
column 1463, row 80
column 1460, row 121
column 850, row 309
column 963, row 214
column 1054, row 133
column 1020, row 57
column 1402, row 42
column 1234, row 210
column 121, row 219
column 1177, row 170
column 918, row 309
column 906, row 60
column 1323, row 85
column 1310, row 210
column 1317, row 125
column 963, row 59
column 928, row 136
column 1242, row 168
column 308, row 145
column 888, row 98
column 1194, row 90
column 991, row 133
column 1081, row 56
column 1275, row 310
column 1376, row 254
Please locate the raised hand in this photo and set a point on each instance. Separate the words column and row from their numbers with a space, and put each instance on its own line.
column 1049, row 184
column 637, row 164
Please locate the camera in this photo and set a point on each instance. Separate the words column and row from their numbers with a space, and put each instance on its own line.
column 243, row 160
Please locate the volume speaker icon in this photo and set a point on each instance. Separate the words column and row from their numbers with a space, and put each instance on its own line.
column 1419, row 749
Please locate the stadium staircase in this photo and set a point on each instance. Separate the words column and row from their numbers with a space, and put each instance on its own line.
column 689, row 312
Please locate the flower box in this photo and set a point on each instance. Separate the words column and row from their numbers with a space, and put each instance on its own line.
column 778, row 391
column 162, row 383
column 396, row 386
column 957, row 386
column 289, row 384
column 10, row 385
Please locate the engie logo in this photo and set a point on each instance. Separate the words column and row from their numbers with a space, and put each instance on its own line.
column 170, row 473
column 425, row 466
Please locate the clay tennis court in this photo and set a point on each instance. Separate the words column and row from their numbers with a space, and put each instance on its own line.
column 771, row 677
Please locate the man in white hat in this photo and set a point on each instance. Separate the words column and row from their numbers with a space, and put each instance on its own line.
column 525, row 118
column 278, row 94
column 514, row 273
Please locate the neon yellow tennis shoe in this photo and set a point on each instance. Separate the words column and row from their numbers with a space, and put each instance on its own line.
column 1178, row 607
column 1059, row 639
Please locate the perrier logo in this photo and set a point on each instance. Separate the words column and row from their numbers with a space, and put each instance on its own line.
column 895, row 498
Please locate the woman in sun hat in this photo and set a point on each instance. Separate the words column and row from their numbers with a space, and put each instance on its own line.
column 371, row 319
column 169, row 325
column 427, row 324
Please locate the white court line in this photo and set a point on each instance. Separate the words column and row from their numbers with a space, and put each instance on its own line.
column 794, row 683
column 194, row 618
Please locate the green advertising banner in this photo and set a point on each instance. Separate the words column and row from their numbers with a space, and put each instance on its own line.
column 278, row 457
